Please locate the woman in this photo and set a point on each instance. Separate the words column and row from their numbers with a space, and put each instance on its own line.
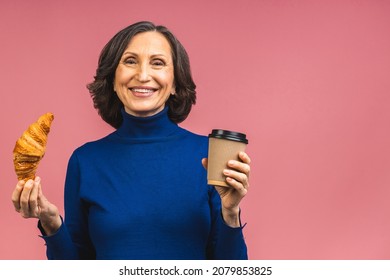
column 141, row 192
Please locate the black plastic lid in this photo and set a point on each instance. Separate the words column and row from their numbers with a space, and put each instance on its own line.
column 228, row 135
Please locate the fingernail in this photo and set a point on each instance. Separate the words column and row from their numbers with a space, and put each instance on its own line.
column 226, row 172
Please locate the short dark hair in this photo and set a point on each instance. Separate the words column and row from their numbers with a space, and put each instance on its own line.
column 101, row 89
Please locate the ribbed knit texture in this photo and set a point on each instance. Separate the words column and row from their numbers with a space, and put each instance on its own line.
column 141, row 193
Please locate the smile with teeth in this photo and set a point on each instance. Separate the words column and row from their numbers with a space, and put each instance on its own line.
column 144, row 92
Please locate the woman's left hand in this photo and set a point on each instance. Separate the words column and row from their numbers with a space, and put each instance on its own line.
column 237, row 177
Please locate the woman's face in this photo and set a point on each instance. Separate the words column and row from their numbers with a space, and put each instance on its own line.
column 144, row 77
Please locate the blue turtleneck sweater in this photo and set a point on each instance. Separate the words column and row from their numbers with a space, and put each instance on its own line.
column 141, row 193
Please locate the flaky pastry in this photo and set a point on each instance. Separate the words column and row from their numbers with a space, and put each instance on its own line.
column 30, row 147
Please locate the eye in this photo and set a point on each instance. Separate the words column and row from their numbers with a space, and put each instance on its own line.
column 130, row 61
column 158, row 63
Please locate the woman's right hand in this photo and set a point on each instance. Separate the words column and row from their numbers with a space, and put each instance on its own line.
column 30, row 202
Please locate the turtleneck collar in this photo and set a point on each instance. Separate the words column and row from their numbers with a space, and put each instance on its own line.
column 155, row 126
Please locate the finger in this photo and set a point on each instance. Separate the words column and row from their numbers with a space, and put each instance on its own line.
column 25, row 198
column 237, row 176
column 240, row 166
column 16, row 195
column 40, row 193
column 34, row 196
column 204, row 162
column 244, row 157
column 239, row 187
column 42, row 200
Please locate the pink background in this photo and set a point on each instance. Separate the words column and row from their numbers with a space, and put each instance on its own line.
column 308, row 81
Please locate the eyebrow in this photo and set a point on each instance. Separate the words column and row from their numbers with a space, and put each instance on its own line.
column 153, row 55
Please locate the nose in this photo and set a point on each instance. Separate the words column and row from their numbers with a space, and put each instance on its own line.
column 143, row 73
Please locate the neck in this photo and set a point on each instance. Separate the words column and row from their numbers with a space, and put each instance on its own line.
column 156, row 126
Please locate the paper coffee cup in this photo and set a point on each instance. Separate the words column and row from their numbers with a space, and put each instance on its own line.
column 224, row 145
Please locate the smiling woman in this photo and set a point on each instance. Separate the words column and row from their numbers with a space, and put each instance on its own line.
column 141, row 192
column 119, row 52
column 144, row 77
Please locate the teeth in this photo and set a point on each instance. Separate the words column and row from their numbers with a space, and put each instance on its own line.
column 142, row 90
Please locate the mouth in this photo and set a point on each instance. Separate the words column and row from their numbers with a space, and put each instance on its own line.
column 142, row 91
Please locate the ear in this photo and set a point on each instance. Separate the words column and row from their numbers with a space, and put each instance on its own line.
column 173, row 90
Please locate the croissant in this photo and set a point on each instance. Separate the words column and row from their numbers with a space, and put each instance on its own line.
column 30, row 147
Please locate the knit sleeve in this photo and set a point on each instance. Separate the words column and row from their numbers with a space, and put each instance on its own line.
column 225, row 242
column 71, row 241
column 59, row 244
